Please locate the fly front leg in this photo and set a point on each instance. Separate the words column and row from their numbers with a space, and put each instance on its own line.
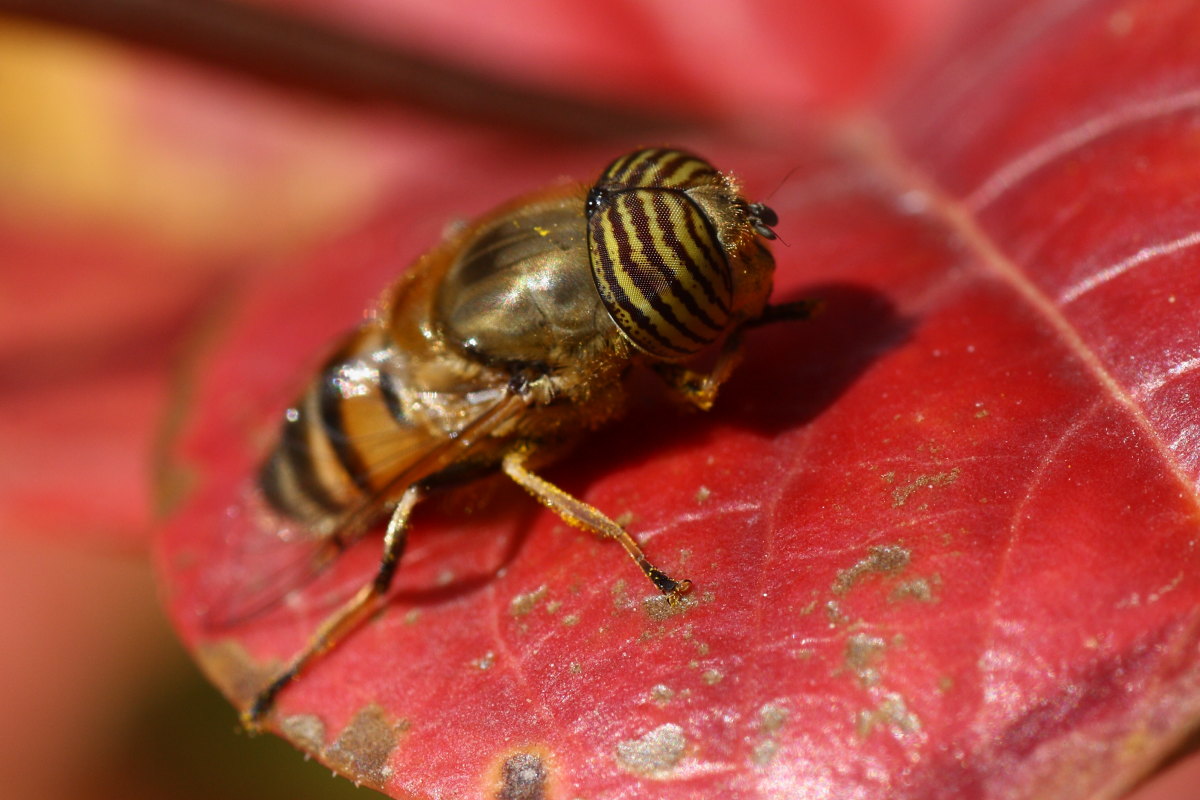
column 700, row 388
column 787, row 312
column 581, row 515
column 341, row 622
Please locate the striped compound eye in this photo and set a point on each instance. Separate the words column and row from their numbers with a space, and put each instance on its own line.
column 657, row 259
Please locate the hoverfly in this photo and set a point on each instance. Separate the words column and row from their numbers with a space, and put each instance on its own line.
column 508, row 340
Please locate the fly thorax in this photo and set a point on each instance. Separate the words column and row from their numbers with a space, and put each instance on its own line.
column 520, row 290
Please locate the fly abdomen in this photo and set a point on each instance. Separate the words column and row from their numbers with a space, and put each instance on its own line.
column 343, row 440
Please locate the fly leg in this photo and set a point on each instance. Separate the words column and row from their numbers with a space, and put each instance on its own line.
column 787, row 312
column 352, row 613
column 700, row 388
column 581, row 515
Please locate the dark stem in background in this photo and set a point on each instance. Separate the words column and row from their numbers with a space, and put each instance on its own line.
column 307, row 55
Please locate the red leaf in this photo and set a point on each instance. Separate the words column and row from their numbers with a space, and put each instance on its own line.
column 942, row 537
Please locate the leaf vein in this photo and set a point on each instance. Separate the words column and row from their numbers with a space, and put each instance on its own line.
column 1142, row 256
column 1032, row 160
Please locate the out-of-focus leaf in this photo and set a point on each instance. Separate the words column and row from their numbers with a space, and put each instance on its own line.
column 762, row 58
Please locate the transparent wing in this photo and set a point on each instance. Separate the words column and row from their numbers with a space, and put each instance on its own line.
column 262, row 561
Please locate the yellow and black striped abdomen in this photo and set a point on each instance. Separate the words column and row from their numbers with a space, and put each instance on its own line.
column 343, row 441
column 657, row 259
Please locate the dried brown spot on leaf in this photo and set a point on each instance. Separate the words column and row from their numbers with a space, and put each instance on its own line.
column 661, row 693
column 654, row 755
column 880, row 560
column 892, row 713
column 918, row 589
column 660, row 608
column 863, row 655
column 525, row 602
column 901, row 494
column 764, row 752
column 235, row 673
column 523, row 776
column 305, row 731
column 363, row 748
column 620, row 595
column 833, row 610
column 771, row 719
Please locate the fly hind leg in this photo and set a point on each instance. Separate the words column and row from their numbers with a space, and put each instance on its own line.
column 352, row 613
column 581, row 515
